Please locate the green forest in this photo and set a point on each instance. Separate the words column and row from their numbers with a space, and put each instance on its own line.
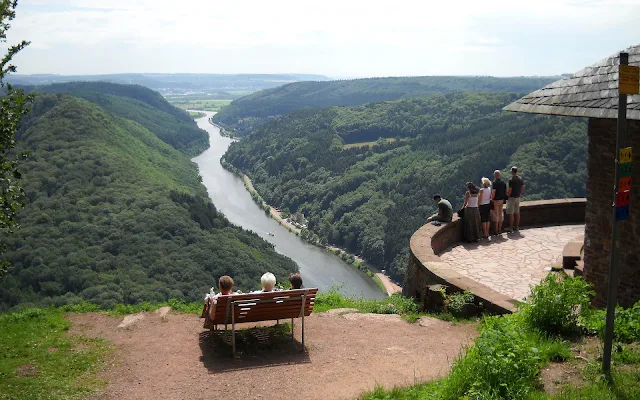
column 370, row 200
column 247, row 113
column 144, row 106
column 116, row 212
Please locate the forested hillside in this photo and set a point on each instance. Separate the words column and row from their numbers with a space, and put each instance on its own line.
column 115, row 215
column 246, row 113
column 370, row 199
column 144, row 106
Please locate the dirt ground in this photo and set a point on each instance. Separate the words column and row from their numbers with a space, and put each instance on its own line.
column 172, row 357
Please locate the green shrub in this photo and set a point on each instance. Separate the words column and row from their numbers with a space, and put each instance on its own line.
column 394, row 304
column 626, row 327
column 503, row 363
column 556, row 304
column 456, row 302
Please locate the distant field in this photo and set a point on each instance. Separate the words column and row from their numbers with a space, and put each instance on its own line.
column 196, row 115
column 199, row 104
column 371, row 144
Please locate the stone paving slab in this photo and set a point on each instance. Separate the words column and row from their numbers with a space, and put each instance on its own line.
column 512, row 263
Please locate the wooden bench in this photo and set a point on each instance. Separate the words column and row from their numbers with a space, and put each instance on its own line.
column 264, row 306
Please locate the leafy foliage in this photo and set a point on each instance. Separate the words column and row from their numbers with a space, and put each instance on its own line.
column 394, row 304
column 455, row 303
column 371, row 200
column 13, row 105
column 556, row 304
column 115, row 215
column 626, row 328
column 249, row 112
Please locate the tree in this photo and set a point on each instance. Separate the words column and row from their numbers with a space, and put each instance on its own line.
column 13, row 105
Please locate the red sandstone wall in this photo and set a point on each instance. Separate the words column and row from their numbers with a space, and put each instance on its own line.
column 599, row 214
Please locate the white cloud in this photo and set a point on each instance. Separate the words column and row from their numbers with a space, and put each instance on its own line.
column 330, row 36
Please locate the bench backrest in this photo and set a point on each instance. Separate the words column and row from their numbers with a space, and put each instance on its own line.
column 264, row 306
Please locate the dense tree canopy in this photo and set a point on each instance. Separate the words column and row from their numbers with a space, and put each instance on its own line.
column 144, row 106
column 370, row 199
column 115, row 215
column 247, row 113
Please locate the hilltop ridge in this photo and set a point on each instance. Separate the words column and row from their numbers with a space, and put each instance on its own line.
column 247, row 113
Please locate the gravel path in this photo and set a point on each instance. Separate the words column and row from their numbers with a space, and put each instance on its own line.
column 172, row 357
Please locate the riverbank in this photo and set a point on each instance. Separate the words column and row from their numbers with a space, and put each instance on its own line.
column 385, row 283
column 223, row 132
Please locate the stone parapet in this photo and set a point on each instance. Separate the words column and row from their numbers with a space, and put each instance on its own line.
column 425, row 268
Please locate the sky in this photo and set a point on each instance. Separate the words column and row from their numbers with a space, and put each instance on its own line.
column 337, row 38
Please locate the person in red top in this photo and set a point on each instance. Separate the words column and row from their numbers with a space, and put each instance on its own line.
column 225, row 284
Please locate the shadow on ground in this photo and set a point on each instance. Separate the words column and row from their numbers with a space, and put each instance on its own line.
column 258, row 347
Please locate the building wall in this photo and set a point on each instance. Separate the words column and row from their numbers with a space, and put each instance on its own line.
column 598, row 218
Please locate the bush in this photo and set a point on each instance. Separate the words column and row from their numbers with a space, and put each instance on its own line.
column 455, row 303
column 627, row 323
column 503, row 363
column 555, row 305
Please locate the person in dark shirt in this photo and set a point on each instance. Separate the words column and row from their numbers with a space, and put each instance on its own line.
column 499, row 196
column 296, row 280
column 445, row 211
column 514, row 191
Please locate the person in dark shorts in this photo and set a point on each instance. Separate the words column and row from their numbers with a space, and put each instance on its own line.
column 485, row 206
column 499, row 196
column 514, row 191
column 445, row 210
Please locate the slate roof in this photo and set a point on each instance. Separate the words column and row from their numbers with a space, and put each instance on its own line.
column 591, row 92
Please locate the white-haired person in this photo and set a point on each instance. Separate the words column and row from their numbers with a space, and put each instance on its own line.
column 268, row 281
column 484, row 205
column 499, row 196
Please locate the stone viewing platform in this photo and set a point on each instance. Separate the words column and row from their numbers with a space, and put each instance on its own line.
column 501, row 270
column 512, row 263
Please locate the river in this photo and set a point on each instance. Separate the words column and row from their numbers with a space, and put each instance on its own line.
column 318, row 267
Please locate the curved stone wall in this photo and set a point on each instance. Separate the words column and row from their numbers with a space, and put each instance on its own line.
column 426, row 270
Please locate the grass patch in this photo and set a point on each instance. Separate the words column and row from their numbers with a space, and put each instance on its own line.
column 177, row 305
column 39, row 360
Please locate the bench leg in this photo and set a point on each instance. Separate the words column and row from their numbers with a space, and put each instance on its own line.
column 292, row 334
column 302, row 332
column 233, row 328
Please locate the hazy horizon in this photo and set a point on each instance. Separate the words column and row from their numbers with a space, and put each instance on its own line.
column 341, row 40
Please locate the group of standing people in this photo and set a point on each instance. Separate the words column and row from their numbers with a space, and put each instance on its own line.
column 484, row 203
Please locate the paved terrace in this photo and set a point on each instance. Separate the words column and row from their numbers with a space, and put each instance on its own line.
column 511, row 263
column 499, row 271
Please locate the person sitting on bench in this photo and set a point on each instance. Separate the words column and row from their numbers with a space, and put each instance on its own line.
column 296, row 280
column 225, row 284
column 268, row 281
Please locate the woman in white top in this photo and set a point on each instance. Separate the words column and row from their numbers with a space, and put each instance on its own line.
column 485, row 206
column 471, row 214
